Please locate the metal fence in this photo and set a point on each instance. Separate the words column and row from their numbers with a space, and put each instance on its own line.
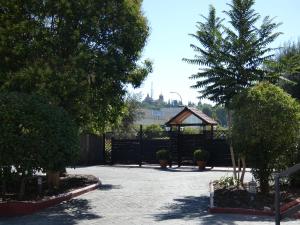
column 142, row 148
column 92, row 150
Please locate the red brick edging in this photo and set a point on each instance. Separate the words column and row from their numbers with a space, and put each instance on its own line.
column 283, row 209
column 17, row 208
column 291, row 204
column 241, row 211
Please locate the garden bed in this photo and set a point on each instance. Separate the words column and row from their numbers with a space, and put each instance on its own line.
column 68, row 183
column 70, row 187
column 231, row 199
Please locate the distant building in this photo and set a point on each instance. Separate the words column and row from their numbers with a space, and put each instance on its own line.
column 161, row 98
column 162, row 115
column 148, row 99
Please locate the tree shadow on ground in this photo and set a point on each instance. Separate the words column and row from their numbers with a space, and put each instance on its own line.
column 174, row 168
column 196, row 207
column 107, row 187
column 188, row 207
column 66, row 213
column 180, row 169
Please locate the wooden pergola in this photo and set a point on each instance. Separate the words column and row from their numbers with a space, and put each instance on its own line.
column 178, row 120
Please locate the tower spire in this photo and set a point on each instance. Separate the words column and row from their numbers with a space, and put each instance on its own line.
column 152, row 90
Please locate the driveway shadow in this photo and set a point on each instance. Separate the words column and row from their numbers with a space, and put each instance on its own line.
column 196, row 207
column 188, row 207
column 67, row 213
column 174, row 168
column 107, row 187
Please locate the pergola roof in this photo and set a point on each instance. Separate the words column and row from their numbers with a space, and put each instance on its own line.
column 188, row 111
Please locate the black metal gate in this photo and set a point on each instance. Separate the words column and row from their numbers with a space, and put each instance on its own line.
column 182, row 146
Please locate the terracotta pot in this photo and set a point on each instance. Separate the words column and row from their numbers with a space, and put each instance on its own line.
column 163, row 163
column 201, row 165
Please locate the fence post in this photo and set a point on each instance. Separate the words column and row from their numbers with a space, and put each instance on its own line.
column 104, row 148
column 141, row 145
column 170, row 148
column 277, row 200
column 112, row 151
column 87, row 159
column 178, row 146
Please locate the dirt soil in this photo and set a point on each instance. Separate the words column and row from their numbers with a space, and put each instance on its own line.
column 233, row 197
column 68, row 183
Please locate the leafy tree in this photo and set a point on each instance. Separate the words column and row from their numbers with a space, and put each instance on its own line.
column 266, row 129
column 217, row 112
column 287, row 65
column 80, row 54
column 35, row 136
column 130, row 113
column 221, row 116
column 207, row 110
column 230, row 58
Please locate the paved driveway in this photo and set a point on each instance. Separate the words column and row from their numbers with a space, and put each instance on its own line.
column 148, row 195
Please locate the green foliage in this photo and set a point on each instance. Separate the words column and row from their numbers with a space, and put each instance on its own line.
column 131, row 112
column 266, row 129
column 230, row 58
column 287, row 65
column 227, row 181
column 190, row 130
column 207, row 111
column 163, row 154
column 295, row 180
column 201, row 155
column 79, row 54
column 35, row 135
column 153, row 130
column 217, row 112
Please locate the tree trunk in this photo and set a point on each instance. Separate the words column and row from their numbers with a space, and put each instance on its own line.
column 264, row 186
column 230, row 145
column 3, row 188
column 53, row 179
column 243, row 170
column 22, row 188
column 4, row 176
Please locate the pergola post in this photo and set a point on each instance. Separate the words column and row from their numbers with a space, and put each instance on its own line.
column 178, row 146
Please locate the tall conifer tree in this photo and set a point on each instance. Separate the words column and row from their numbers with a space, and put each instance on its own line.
column 231, row 56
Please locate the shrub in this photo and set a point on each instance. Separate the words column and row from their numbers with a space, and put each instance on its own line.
column 35, row 136
column 163, row 154
column 265, row 129
column 201, row 155
column 191, row 130
column 226, row 181
column 153, row 131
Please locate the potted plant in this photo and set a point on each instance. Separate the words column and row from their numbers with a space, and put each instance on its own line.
column 201, row 156
column 163, row 157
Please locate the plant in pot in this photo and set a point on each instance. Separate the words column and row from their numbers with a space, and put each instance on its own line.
column 201, row 156
column 163, row 157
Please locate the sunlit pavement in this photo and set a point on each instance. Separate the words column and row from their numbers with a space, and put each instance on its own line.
column 147, row 195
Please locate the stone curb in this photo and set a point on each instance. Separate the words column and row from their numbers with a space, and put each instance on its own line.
column 18, row 208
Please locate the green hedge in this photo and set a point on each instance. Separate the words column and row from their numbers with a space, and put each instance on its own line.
column 35, row 136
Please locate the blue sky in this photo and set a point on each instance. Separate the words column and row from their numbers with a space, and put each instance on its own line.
column 171, row 21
